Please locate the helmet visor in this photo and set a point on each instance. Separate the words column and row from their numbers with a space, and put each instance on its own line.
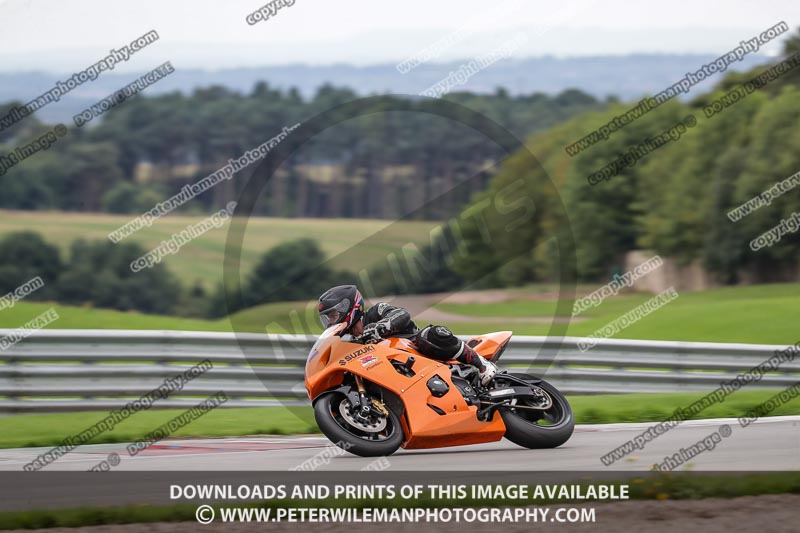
column 333, row 315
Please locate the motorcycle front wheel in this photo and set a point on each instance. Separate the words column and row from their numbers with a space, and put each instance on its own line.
column 376, row 436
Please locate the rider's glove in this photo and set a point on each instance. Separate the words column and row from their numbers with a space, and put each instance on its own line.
column 375, row 332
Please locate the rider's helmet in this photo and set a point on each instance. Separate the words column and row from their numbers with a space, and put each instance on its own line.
column 342, row 304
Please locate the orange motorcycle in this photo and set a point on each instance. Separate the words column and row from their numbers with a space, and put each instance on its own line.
column 371, row 399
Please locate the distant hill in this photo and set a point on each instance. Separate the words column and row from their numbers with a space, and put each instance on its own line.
column 626, row 77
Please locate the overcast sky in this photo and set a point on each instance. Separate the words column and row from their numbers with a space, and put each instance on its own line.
column 61, row 35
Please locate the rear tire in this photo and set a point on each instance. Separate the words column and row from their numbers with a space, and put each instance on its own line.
column 350, row 438
column 540, row 429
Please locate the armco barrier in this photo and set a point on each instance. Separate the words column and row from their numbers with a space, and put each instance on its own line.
column 68, row 370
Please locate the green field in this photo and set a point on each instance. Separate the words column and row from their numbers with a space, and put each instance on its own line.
column 51, row 429
column 202, row 259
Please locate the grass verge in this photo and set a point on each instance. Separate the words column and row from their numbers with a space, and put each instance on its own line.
column 50, row 429
column 753, row 314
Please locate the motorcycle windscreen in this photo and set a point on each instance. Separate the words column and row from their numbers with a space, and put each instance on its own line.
column 330, row 332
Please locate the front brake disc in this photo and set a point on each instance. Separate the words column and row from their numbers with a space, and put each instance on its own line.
column 372, row 425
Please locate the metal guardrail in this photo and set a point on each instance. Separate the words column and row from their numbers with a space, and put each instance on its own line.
column 70, row 370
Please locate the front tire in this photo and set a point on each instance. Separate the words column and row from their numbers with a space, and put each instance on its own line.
column 358, row 440
column 540, row 429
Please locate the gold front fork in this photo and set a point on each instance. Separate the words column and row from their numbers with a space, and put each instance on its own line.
column 377, row 403
column 360, row 383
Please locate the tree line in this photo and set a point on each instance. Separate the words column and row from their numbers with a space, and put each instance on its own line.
column 98, row 274
column 377, row 166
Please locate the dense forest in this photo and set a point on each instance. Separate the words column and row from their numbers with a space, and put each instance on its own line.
column 378, row 166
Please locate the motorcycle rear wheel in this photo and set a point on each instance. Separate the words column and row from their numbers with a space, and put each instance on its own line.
column 351, row 438
column 540, row 429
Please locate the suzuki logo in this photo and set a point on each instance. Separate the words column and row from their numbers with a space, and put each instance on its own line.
column 349, row 357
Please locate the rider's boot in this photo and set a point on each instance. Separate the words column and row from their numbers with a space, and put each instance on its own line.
column 486, row 368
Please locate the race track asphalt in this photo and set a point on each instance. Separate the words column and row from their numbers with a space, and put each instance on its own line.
column 768, row 444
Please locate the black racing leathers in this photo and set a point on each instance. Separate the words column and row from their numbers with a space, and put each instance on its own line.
column 397, row 319
column 436, row 342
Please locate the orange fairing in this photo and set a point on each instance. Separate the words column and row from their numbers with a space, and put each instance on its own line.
column 427, row 421
column 490, row 345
